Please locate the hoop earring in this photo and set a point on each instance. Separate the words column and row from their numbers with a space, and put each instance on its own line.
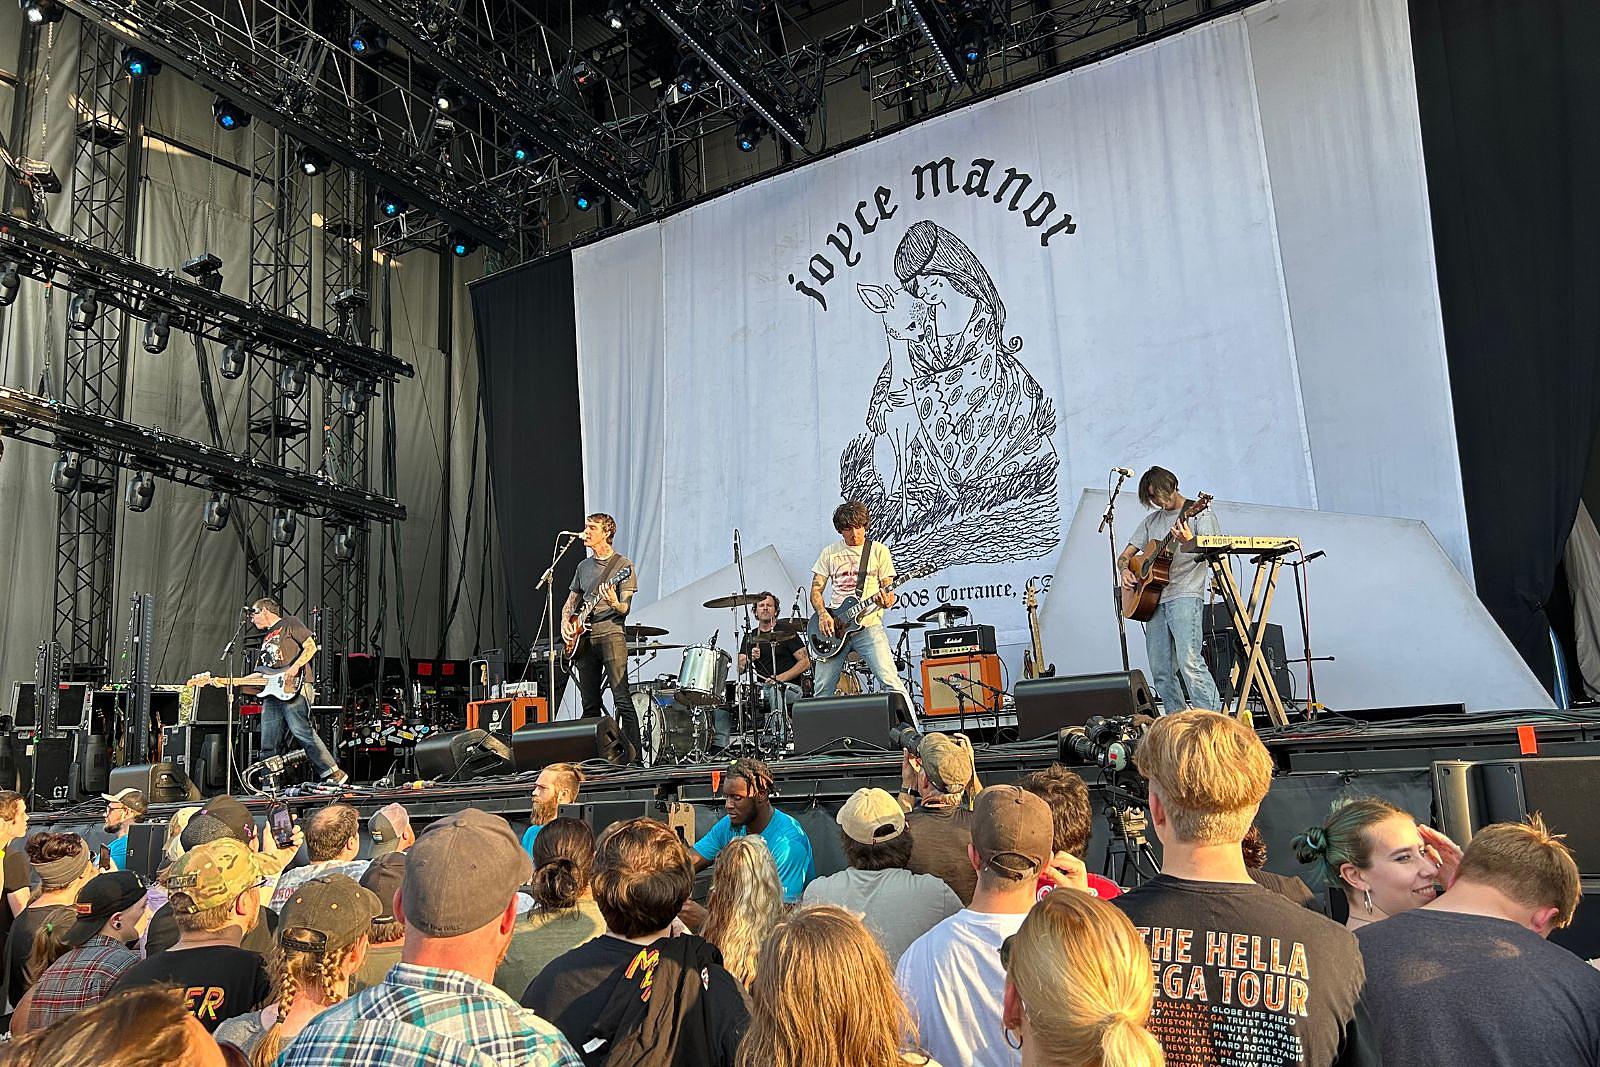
column 1018, row 1046
column 1367, row 895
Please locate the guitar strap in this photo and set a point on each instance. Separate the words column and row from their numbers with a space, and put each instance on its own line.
column 606, row 572
column 861, row 575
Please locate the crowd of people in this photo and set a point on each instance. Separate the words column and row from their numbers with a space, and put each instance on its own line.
column 964, row 930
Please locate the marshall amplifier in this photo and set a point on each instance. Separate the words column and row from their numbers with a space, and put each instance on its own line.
column 959, row 641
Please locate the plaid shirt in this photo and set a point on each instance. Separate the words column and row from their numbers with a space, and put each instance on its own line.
column 423, row 1017
column 79, row 979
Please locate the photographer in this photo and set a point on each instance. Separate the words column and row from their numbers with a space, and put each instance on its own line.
column 937, row 787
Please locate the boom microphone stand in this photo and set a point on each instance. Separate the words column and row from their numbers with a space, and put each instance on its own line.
column 228, row 654
column 1108, row 525
column 564, row 541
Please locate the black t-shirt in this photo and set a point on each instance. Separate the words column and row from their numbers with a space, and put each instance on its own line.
column 218, row 981
column 1247, row 978
column 1294, row 889
column 1471, row 989
column 773, row 654
column 939, row 840
column 586, row 580
column 573, row 990
column 19, row 942
column 283, row 642
column 18, row 873
column 163, row 932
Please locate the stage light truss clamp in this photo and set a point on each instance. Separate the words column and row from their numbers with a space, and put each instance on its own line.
column 146, row 292
column 38, row 420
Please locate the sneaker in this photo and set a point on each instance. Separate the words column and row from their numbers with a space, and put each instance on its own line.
column 336, row 777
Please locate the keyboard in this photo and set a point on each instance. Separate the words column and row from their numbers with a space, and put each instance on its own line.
column 1241, row 543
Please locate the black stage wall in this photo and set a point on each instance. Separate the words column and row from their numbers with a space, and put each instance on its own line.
column 1510, row 130
column 528, row 351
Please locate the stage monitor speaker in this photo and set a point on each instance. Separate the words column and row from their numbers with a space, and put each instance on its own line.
column 567, row 741
column 200, row 750
column 24, row 713
column 161, row 783
column 1558, row 789
column 461, row 755
column 54, row 780
column 94, row 765
column 1045, row 705
column 849, row 723
column 600, row 814
column 146, row 842
column 939, row 688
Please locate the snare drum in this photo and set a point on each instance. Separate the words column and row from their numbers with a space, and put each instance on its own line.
column 703, row 675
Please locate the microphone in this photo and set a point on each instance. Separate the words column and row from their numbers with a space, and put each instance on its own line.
column 1315, row 555
column 571, row 533
column 1124, row 471
column 736, row 553
column 714, row 635
column 958, row 676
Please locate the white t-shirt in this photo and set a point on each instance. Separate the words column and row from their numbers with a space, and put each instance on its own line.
column 840, row 563
column 954, row 984
column 896, row 905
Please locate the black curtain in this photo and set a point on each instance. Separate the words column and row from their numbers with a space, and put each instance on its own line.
column 1509, row 95
column 528, row 353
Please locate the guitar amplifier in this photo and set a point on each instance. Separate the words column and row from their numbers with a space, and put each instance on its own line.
column 972, row 640
column 506, row 715
column 1220, row 646
column 939, row 688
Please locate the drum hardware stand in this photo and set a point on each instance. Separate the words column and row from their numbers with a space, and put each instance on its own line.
column 1250, row 617
column 1108, row 526
column 1313, row 706
column 739, row 718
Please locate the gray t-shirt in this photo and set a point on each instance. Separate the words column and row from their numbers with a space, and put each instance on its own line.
column 587, row 579
column 896, row 905
column 1471, row 989
column 1189, row 571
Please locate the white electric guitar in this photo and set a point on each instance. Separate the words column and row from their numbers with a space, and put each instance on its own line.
column 267, row 681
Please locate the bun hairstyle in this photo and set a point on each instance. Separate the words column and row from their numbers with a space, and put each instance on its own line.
column 1342, row 837
column 563, row 858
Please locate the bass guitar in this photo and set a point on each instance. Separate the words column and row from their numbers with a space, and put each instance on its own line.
column 266, row 681
column 578, row 622
column 848, row 615
column 1033, row 656
column 1152, row 568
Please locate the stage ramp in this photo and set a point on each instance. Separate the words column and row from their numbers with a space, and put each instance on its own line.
column 1405, row 627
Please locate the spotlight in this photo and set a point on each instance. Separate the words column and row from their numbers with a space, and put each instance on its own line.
column 141, row 491
column 312, row 162
column 10, row 282
column 367, row 38
column 65, row 472
column 292, row 380
column 521, row 150
column 206, row 268
column 346, row 542
column 229, row 116
column 39, row 12
column 582, row 74
column 157, row 329
column 585, row 198
column 353, row 398
column 233, row 358
column 749, row 132
column 390, row 206
column 444, row 96
column 617, row 16
column 284, row 527
column 462, row 245
column 690, row 76
column 218, row 510
column 970, row 43
column 139, row 63
column 82, row 308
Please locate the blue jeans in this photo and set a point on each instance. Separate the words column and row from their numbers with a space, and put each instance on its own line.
column 1172, row 638
column 295, row 716
column 873, row 644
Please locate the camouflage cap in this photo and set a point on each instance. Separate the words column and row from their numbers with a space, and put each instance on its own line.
column 212, row 874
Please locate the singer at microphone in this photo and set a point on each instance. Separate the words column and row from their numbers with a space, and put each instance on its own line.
column 602, row 592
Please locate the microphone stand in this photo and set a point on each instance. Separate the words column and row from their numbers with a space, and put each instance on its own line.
column 1312, row 706
column 547, row 583
column 741, row 711
column 228, row 652
column 1108, row 525
column 961, row 701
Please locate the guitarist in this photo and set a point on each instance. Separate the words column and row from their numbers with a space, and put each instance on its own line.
column 288, row 644
column 840, row 565
column 1172, row 637
column 605, row 646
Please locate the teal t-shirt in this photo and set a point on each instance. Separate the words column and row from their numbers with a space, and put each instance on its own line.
column 788, row 843
column 527, row 838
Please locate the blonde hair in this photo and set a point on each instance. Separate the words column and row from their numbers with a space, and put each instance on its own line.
column 147, row 1026
column 824, row 996
column 294, row 970
column 1083, row 973
column 1527, row 863
column 1210, row 772
column 176, row 824
column 746, row 902
column 204, row 921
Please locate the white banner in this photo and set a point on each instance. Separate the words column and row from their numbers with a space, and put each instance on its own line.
column 966, row 324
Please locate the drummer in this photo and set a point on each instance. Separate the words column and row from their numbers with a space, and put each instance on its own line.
column 777, row 651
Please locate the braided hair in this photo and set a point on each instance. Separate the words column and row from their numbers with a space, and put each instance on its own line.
column 294, row 970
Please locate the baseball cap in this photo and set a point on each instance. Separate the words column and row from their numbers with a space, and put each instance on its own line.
column 871, row 817
column 462, row 873
column 1012, row 831
column 212, row 874
column 132, row 799
column 384, row 876
column 103, row 896
column 947, row 761
column 232, row 813
column 203, row 829
column 331, row 910
column 387, row 825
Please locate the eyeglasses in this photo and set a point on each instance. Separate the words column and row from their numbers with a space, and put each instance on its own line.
column 1005, row 952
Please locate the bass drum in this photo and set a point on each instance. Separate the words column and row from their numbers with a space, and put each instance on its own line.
column 703, row 674
column 668, row 731
column 849, row 685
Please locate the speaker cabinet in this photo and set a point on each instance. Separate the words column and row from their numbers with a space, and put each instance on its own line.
column 200, row 750
column 939, row 688
column 851, row 722
column 161, row 783
column 54, row 780
column 600, row 814
column 567, row 741
column 506, row 715
column 460, row 755
column 1045, row 705
column 146, row 840
column 94, row 765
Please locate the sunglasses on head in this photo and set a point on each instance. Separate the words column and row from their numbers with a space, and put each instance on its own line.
column 1005, row 952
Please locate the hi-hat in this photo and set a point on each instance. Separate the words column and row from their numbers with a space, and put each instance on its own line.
column 733, row 600
column 944, row 614
column 640, row 630
column 646, row 649
column 905, row 626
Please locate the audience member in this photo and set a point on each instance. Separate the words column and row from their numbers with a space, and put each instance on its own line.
column 943, row 779
column 63, row 865
column 747, row 795
column 951, row 976
column 1242, row 975
column 135, row 1028
column 14, row 866
column 746, row 902
column 322, row 940
column 333, row 839
column 78, row 964
column 438, row 1006
column 695, row 1012
column 123, row 809
column 384, row 877
column 564, row 914
column 1469, row 977
column 1379, row 857
column 390, row 827
column 215, row 901
column 557, row 784
column 1254, row 848
column 1078, row 987
column 1071, row 820
column 824, row 995
column 896, row 905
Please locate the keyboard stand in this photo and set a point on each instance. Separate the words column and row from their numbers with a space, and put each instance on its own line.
column 1250, row 617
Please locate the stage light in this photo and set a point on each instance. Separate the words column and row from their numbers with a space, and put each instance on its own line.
column 284, row 527
column 157, row 329
column 353, row 397
column 585, row 198
column 233, row 358
column 292, row 380
column 617, row 16
column 389, row 205
column 462, row 245
column 82, row 308
column 521, row 150
column 229, row 115
column 346, row 542
column 38, row 12
column 312, row 162
column 141, row 491
column 582, row 74
column 65, row 472
column 218, row 510
column 689, row 75
column 970, row 43
column 10, row 282
column 206, row 268
column 444, row 96
column 139, row 63
column 367, row 38
column 749, row 132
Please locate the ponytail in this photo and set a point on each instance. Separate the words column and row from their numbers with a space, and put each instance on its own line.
column 49, row 945
column 1124, row 1042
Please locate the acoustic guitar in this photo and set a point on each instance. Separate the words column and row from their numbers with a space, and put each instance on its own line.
column 1153, row 567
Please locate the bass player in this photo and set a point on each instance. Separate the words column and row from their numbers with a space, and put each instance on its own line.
column 604, row 648
column 1173, row 636
column 839, row 565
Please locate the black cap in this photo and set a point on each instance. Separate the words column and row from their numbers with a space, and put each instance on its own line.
column 101, row 898
column 384, row 876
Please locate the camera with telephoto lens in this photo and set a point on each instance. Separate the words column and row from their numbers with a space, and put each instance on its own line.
column 1106, row 742
column 906, row 736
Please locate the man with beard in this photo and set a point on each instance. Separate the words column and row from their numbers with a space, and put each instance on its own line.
column 558, row 784
column 122, row 811
column 747, row 796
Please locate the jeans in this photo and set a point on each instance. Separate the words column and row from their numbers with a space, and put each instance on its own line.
column 604, row 659
column 1172, row 638
column 873, row 644
column 295, row 715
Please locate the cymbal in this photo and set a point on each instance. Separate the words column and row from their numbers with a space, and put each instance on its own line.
column 905, row 626
column 732, row 600
column 641, row 630
column 640, row 650
column 944, row 611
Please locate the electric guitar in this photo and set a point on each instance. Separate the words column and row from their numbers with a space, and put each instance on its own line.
column 1152, row 568
column 1033, row 656
column 265, row 681
column 578, row 623
column 848, row 615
